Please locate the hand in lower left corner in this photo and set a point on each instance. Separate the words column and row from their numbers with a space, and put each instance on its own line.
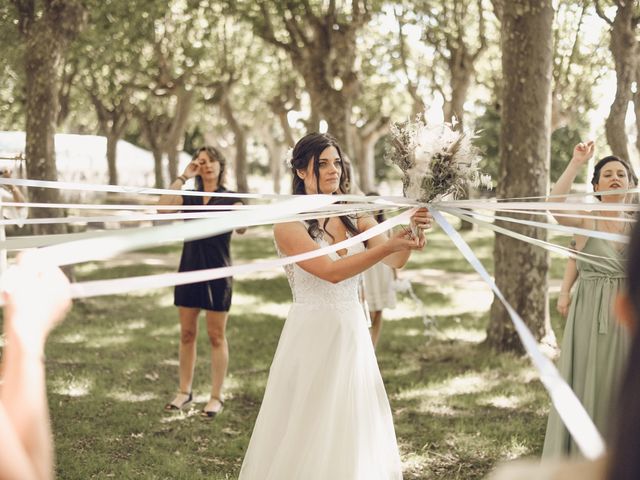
column 37, row 296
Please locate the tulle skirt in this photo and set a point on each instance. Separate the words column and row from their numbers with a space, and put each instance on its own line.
column 325, row 413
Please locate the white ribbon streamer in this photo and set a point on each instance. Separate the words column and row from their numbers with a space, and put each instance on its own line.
column 550, row 206
column 124, row 285
column 110, row 245
column 552, row 247
column 614, row 237
column 571, row 411
column 141, row 217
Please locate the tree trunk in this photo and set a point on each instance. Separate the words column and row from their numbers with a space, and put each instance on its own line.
column 155, row 128
column 112, row 144
column 240, row 141
column 276, row 158
column 520, row 268
column 461, row 68
column 175, row 139
column 623, row 47
column 368, row 136
column 157, row 167
column 462, row 71
column 42, row 57
column 636, row 109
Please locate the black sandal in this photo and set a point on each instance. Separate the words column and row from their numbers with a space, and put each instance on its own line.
column 172, row 407
column 212, row 414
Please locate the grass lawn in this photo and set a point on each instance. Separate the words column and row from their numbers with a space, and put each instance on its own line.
column 458, row 407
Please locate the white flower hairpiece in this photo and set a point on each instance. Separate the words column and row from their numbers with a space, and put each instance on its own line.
column 288, row 159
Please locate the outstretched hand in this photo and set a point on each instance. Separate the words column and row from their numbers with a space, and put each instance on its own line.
column 583, row 151
column 405, row 240
column 37, row 296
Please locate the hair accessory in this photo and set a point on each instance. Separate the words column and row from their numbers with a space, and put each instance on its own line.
column 288, row 159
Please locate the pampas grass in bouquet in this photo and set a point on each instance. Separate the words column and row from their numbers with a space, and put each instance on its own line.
column 436, row 160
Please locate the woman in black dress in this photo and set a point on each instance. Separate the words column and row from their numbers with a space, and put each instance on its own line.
column 213, row 296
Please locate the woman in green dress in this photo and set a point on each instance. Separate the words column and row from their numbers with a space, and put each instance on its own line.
column 594, row 346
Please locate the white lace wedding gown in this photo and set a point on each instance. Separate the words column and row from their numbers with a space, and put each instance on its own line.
column 325, row 413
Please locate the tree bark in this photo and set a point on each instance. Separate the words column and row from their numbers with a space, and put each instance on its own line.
column 276, row 159
column 154, row 128
column 112, row 144
column 46, row 31
column 112, row 122
column 520, row 268
column 157, row 166
column 240, row 141
column 461, row 71
column 175, row 138
column 623, row 46
column 322, row 49
column 636, row 109
column 368, row 136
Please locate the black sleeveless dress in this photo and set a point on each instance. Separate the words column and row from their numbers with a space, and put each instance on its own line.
column 210, row 252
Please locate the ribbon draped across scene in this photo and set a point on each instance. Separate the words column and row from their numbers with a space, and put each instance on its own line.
column 68, row 249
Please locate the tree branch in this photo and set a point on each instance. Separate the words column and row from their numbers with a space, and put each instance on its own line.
column 601, row 13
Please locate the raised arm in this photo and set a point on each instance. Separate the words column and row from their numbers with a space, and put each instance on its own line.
column 191, row 171
column 27, row 446
column 292, row 239
column 582, row 152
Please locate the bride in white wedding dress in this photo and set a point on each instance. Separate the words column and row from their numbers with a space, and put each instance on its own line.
column 325, row 413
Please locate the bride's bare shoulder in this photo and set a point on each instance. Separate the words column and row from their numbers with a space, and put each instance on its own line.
column 292, row 237
column 288, row 228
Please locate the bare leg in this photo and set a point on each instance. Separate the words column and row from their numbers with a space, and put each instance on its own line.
column 216, row 325
column 376, row 326
column 187, row 352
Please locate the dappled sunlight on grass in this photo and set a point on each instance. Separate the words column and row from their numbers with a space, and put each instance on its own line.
column 436, row 408
column 249, row 304
column 123, row 396
column 463, row 334
column 180, row 415
column 403, row 309
column 136, row 325
column 165, row 299
column 171, row 331
column 108, row 341
column 459, row 385
column 71, row 338
column 75, row 387
column 516, row 450
column 509, row 402
column 414, row 332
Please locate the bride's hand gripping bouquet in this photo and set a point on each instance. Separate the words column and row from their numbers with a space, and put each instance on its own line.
column 436, row 160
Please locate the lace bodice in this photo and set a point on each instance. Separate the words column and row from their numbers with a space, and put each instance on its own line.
column 307, row 288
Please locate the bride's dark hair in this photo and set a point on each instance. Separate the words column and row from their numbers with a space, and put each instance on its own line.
column 308, row 149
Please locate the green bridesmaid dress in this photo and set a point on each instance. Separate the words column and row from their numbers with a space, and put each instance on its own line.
column 595, row 345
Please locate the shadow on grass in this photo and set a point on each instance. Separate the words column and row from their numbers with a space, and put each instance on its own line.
column 458, row 407
column 274, row 289
column 93, row 271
